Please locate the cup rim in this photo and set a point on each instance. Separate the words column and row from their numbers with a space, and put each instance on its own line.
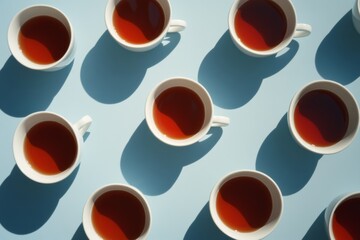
column 339, row 201
column 275, row 215
column 18, row 152
column 353, row 123
column 204, row 96
column 133, row 46
column 87, row 210
column 13, row 46
column 261, row 53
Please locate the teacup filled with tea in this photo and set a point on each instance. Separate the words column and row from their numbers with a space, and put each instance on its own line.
column 117, row 211
column 323, row 117
column 47, row 146
column 41, row 37
column 264, row 27
column 140, row 25
column 179, row 112
column 246, row 204
column 342, row 217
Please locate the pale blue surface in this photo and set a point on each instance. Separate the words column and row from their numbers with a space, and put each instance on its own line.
column 111, row 84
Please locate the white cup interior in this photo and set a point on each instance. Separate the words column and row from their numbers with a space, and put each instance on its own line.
column 179, row 82
column 276, row 209
column 18, row 147
column 87, row 212
column 27, row 14
column 290, row 15
column 351, row 106
column 109, row 11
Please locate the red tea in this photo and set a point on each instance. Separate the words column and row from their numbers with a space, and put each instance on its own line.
column 321, row 118
column 179, row 112
column 44, row 39
column 346, row 221
column 139, row 21
column 260, row 24
column 50, row 147
column 244, row 204
column 118, row 215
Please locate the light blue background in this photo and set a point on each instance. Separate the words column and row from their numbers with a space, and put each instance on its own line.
column 111, row 85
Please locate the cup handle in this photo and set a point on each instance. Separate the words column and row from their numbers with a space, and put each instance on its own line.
column 302, row 30
column 176, row 25
column 220, row 121
column 83, row 124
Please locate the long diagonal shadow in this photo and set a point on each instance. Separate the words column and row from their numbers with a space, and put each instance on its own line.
column 153, row 166
column 338, row 55
column 26, row 205
column 290, row 165
column 24, row 91
column 233, row 78
column 110, row 73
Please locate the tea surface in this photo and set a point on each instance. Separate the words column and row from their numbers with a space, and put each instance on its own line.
column 346, row 221
column 44, row 39
column 50, row 147
column 244, row 204
column 179, row 112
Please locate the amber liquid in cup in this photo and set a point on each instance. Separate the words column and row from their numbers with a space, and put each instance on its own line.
column 50, row 148
column 260, row 24
column 44, row 39
column 138, row 21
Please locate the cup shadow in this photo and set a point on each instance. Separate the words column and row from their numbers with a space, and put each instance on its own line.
column 26, row 205
column 153, row 166
column 80, row 233
column 338, row 55
column 317, row 229
column 204, row 227
column 280, row 157
column 24, row 91
column 110, row 73
column 232, row 77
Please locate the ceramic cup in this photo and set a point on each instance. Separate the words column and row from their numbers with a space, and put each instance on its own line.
column 246, row 204
column 179, row 112
column 169, row 25
column 116, row 209
column 323, row 117
column 271, row 24
column 47, row 147
column 356, row 15
column 59, row 53
column 342, row 217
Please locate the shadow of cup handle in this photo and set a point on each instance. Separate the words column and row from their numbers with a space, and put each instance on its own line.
column 176, row 25
column 220, row 121
column 302, row 30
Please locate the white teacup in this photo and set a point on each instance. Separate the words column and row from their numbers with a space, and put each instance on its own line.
column 351, row 109
column 170, row 25
column 130, row 202
column 252, row 193
column 22, row 152
column 202, row 109
column 30, row 13
column 342, row 216
column 356, row 15
column 292, row 29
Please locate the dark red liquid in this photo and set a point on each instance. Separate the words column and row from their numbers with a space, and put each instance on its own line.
column 44, row 39
column 179, row 112
column 321, row 118
column 139, row 21
column 50, row 148
column 346, row 221
column 260, row 24
column 118, row 215
column 244, row 204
